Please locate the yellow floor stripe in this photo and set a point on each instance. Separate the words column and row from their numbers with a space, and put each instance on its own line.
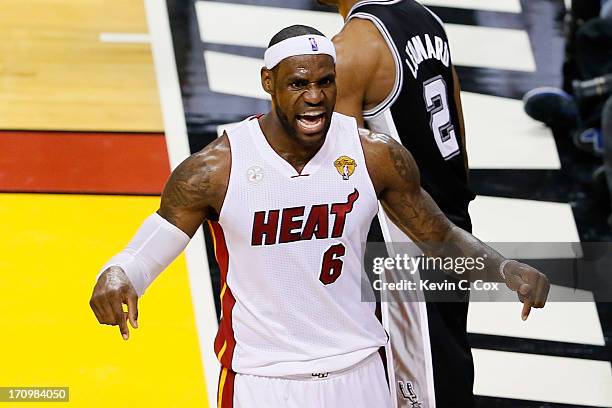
column 52, row 247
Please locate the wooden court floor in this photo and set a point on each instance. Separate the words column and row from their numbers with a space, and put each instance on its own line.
column 57, row 74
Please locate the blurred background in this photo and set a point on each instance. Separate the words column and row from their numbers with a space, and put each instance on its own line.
column 99, row 100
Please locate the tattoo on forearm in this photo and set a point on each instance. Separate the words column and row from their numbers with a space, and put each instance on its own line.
column 409, row 205
column 415, row 212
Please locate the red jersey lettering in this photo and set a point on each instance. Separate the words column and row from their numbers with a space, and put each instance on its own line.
column 340, row 210
column 262, row 227
column 292, row 226
column 289, row 224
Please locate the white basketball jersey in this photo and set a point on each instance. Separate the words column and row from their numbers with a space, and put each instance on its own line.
column 290, row 248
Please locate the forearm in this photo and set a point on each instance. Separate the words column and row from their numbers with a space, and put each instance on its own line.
column 418, row 216
column 458, row 243
column 154, row 246
column 414, row 211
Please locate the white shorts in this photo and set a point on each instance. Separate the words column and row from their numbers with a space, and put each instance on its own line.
column 361, row 386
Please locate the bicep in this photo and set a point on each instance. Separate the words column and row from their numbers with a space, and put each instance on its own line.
column 183, row 201
column 409, row 206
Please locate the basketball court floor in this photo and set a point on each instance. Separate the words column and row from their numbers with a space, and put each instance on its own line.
column 99, row 100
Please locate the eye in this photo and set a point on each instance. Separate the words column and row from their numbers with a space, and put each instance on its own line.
column 298, row 83
column 327, row 81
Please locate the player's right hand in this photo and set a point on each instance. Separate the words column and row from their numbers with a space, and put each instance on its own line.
column 112, row 290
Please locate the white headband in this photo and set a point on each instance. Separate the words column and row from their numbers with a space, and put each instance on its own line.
column 302, row 45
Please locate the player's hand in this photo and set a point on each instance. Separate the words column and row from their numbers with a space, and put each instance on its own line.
column 531, row 285
column 112, row 290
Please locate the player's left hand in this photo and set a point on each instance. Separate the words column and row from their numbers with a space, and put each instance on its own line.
column 531, row 285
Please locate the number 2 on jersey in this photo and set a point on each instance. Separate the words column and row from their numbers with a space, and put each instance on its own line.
column 436, row 100
column 331, row 266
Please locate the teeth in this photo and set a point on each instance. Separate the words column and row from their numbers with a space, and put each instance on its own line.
column 312, row 114
column 311, row 124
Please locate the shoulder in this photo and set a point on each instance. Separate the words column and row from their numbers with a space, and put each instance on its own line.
column 202, row 176
column 356, row 30
column 435, row 16
column 389, row 162
column 217, row 152
column 377, row 146
column 213, row 158
column 357, row 39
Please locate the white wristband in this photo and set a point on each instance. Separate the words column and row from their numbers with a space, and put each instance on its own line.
column 503, row 265
column 156, row 244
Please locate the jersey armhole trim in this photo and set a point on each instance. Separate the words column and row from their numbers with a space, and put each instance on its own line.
column 399, row 72
column 229, row 178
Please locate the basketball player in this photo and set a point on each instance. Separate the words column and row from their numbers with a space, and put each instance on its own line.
column 395, row 73
column 289, row 197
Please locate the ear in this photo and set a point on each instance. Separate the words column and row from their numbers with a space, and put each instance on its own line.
column 267, row 82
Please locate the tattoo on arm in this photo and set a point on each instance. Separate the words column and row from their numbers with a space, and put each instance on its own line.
column 186, row 188
column 403, row 162
column 187, row 192
column 413, row 210
column 407, row 204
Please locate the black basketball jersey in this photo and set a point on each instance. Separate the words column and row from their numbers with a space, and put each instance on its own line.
column 421, row 111
column 428, row 345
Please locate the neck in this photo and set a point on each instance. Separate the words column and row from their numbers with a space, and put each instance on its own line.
column 289, row 148
column 344, row 7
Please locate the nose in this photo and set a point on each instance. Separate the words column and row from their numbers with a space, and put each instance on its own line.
column 313, row 95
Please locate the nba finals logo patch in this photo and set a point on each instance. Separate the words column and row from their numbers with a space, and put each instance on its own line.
column 313, row 44
column 345, row 166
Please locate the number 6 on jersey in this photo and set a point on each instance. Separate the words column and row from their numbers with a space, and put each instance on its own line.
column 331, row 266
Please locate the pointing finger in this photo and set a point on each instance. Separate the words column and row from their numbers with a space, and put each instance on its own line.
column 526, row 309
column 120, row 319
column 132, row 302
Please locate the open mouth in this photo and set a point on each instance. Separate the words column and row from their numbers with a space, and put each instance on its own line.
column 310, row 123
